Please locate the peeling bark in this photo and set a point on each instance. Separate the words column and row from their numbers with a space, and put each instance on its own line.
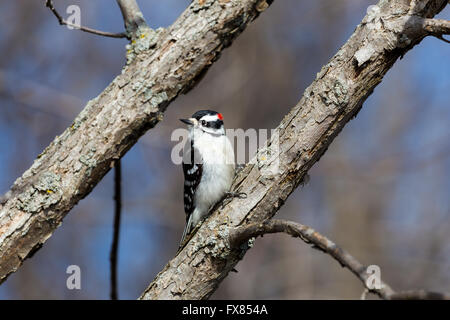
column 386, row 33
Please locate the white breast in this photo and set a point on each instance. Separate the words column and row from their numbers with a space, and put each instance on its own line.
column 218, row 171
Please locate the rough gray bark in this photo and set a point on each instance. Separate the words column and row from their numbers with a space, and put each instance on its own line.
column 387, row 32
column 161, row 64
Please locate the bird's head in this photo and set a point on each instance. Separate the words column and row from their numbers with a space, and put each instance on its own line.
column 207, row 121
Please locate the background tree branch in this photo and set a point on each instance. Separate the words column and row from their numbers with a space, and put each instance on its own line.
column 63, row 22
column 242, row 234
column 385, row 34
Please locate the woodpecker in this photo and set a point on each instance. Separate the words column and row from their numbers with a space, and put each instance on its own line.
column 208, row 166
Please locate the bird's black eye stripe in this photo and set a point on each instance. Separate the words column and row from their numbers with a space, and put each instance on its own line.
column 212, row 124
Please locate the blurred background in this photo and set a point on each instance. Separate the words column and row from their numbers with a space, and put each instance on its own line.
column 381, row 191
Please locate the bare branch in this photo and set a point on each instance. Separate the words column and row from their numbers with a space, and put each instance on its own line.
column 437, row 28
column 113, row 256
column 132, row 16
column 242, row 234
column 49, row 4
column 238, row 236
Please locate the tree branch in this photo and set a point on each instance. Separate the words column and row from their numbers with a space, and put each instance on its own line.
column 386, row 33
column 132, row 16
column 49, row 4
column 240, row 235
column 437, row 28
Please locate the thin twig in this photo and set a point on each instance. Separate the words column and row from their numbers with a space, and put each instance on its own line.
column 115, row 242
column 49, row 4
column 243, row 233
column 437, row 28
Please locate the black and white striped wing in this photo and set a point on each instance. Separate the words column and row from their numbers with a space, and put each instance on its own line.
column 192, row 169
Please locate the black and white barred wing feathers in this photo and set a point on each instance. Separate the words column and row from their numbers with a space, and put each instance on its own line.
column 192, row 169
column 192, row 177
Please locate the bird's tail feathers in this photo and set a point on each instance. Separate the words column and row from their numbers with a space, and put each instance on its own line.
column 186, row 231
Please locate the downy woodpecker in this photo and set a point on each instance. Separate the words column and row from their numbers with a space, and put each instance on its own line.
column 208, row 166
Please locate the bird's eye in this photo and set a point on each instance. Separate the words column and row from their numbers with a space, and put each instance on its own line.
column 204, row 123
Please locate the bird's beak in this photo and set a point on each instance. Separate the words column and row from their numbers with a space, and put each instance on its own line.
column 189, row 122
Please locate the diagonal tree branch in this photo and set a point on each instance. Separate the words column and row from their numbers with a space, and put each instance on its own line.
column 49, row 4
column 161, row 65
column 387, row 32
column 240, row 235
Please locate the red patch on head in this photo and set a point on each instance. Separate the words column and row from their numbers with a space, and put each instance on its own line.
column 219, row 115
